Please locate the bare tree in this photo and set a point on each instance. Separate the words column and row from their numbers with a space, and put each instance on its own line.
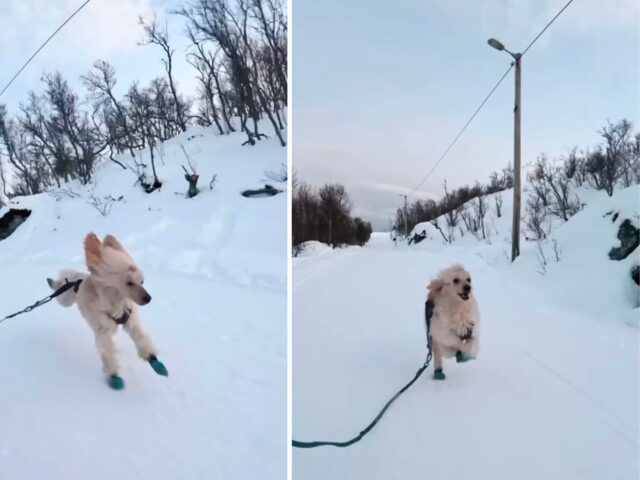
column 535, row 218
column 607, row 165
column 100, row 82
column 252, row 38
column 335, row 207
column 159, row 36
column 480, row 208
column 498, row 200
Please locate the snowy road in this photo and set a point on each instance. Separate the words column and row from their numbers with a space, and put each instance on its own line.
column 202, row 422
column 553, row 395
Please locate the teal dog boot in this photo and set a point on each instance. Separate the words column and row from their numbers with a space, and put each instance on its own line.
column 438, row 374
column 463, row 357
column 158, row 366
column 115, row 382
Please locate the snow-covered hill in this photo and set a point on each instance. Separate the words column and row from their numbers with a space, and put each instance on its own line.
column 554, row 393
column 497, row 226
column 215, row 266
column 571, row 266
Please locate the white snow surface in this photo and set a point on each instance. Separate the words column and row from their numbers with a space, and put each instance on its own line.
column 215, row 266
column 554, row 393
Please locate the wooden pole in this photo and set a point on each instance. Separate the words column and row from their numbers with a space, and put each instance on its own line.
column 515, row 242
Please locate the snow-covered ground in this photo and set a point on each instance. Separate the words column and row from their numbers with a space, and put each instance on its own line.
column 216, row 267
column 554, row 393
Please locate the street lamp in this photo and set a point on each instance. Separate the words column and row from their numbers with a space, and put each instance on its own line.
column 515, row 241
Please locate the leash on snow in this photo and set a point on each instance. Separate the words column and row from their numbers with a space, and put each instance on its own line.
column 67, row 286
column 428, row 312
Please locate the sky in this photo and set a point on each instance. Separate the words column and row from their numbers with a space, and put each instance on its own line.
column 381, row 88
column 104, row 29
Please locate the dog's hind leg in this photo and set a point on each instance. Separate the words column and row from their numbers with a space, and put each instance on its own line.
column 107, row 349
column 144, row 345
column 438, row 374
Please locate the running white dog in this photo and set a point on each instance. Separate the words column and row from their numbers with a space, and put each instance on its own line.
column 455, row 323
column 107, row 298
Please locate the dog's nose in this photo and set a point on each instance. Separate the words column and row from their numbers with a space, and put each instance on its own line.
column 147, row 298
column 466, row 288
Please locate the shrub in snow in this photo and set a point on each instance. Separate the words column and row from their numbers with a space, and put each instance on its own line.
column 535, row 218
column 278, row 176
column 103, row 205
column 147, row 186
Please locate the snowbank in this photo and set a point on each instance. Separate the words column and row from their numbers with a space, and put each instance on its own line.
column 584, row 276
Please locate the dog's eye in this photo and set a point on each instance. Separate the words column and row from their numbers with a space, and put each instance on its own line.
column 456, row 280
column 129, row 284
column 469, row 280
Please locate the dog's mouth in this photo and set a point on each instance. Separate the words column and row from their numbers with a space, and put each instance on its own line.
column 464, row 296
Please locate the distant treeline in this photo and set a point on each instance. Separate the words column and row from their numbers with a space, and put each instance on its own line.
column 428, row 210
column 238, row 49
column 325, row 215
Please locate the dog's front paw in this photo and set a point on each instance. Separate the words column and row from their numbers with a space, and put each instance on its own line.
column 438, row 374
column 158, row 366
column 115, row 382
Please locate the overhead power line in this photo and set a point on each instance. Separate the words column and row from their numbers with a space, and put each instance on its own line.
column 4, row 89
column 442, row 157
column 462, row 131
column 547, row 26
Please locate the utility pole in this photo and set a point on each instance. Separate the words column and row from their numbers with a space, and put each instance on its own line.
column 515, row 244
column 406, row 234
column 515, row 228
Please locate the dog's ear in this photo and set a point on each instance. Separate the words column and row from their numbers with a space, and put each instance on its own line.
column 436, row 286
column 92, row 251
column 111, row 241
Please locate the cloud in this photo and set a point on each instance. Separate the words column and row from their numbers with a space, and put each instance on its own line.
column 390, row 189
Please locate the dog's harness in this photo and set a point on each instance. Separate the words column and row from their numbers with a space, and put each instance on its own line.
column 123, row 318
